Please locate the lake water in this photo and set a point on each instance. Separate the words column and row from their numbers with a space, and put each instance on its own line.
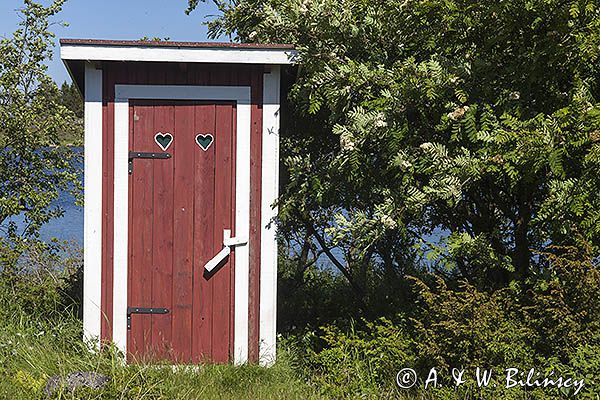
column 70, row 225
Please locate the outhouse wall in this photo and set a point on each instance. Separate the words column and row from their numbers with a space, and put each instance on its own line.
column 156, row 73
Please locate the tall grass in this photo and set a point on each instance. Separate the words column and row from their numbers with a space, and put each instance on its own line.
column 41, row 336
column 32, row 350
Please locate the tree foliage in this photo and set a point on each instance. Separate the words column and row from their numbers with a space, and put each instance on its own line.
column 34, row 168
column 466, row 130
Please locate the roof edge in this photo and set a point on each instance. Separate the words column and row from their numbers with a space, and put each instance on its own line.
column 172, row 44
column 193, row 52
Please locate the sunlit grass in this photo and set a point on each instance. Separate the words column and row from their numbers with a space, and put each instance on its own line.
column 31, row 351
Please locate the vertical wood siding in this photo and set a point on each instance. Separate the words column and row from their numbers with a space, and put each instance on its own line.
column 186, row 74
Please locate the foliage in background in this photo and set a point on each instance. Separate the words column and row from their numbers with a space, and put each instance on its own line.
column 34, row 167
column 467, row 128
column 68, row 96
column 48, row 281
column 458, row 137
column 553, row 327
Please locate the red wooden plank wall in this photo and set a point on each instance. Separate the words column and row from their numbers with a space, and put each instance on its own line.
column 162, row 245
column 205, row 182
column 183, row 74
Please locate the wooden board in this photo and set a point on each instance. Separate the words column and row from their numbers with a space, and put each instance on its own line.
column 188, row 74
column 179, row 208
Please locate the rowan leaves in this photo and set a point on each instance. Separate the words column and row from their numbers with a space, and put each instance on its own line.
column 467, row 117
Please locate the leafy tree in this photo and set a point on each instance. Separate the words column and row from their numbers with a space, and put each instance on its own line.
column 473, row 122
column 34, row 168
column 68, row 96
column 71, row 98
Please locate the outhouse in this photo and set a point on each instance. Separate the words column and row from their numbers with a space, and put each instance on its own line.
column 181, row 172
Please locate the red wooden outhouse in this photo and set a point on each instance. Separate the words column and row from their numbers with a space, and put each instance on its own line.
column 181, row 172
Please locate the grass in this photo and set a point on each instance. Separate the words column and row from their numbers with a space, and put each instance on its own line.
column 32, row 351
column 40, row 339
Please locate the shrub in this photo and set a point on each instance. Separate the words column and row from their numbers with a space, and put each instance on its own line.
column 47, row 281
column 550, row 323
column 362, row 361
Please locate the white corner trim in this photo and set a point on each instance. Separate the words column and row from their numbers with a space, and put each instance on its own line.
column 174, row 54
column 92, row 211
column 270, row 188
column 240, row 94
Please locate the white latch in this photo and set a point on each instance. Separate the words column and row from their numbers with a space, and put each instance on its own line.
column 228, row 243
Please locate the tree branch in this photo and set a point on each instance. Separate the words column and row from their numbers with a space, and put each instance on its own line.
column 345, row 271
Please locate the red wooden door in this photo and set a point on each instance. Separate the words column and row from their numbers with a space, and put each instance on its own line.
column 179, row 208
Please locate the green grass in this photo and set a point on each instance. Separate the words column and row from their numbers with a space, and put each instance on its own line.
column 32, row 351
column 40, row 338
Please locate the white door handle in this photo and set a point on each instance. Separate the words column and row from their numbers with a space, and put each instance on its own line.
column 228, row 243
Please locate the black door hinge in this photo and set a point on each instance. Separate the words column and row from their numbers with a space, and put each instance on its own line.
column 144, row 310
column 141, row 154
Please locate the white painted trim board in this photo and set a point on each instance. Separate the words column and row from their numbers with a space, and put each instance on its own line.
column 92, row 211
column 270, row 192
column 173, row 54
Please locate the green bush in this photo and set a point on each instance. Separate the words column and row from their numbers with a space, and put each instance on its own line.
column 549, row 323
column 361, row 362
column 46, row 282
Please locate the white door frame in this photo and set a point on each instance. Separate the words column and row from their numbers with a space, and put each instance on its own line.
column 239, row 94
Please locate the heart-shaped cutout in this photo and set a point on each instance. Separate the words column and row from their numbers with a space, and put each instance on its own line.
column 204, row 141
column 163, row 140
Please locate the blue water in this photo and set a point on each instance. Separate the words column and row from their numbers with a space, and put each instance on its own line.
column 70, row 225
